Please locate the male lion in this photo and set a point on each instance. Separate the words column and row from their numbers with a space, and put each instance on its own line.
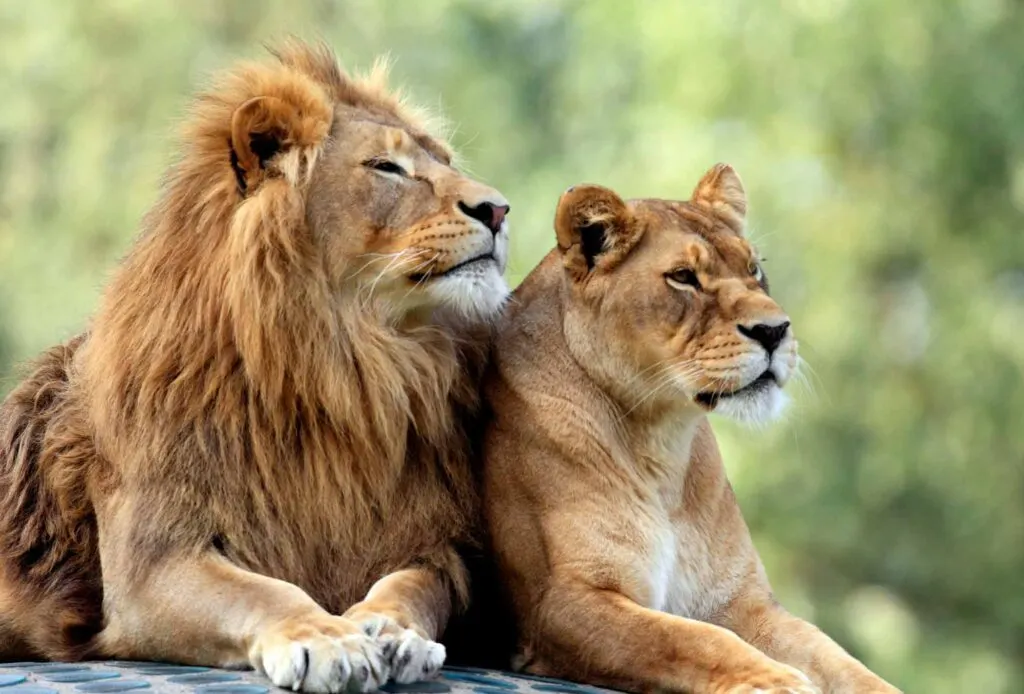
column 265, row 425
column 623, row 550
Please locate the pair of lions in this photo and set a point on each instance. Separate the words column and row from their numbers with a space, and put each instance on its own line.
column 261, row 451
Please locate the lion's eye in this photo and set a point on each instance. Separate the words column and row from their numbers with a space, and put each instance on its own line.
column 755, row 271
column 385, row 166
column 682, row 278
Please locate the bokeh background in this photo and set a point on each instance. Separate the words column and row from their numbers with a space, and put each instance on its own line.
column 882, row 145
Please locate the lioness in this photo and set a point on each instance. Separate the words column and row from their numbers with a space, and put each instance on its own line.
column 257, row 454
column 622, row 547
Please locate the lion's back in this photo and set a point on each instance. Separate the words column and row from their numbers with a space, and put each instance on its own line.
column 49, row 559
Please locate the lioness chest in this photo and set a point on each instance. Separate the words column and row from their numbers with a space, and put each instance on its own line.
column 691, row 567
column 682, row 570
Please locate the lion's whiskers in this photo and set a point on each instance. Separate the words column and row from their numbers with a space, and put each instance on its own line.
column 655, row 365
column 678, row 372
column 423, row 277
column 802, row 373
column 398, row 261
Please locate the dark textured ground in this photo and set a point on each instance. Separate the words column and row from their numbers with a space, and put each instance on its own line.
column 107, row 677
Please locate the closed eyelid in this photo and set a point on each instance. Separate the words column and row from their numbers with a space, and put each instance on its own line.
column 407, row 163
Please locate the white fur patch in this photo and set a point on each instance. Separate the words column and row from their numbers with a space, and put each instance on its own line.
column 409, row 656
column 662, row 571
column 474, row 294
column 765, row 405
column 326, row 664
column 756, row 408
column 415, row 658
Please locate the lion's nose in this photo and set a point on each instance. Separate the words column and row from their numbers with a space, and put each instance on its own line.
column 769, row 336
column 489, row 214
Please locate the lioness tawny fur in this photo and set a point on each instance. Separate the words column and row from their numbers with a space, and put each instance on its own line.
column 623, row 550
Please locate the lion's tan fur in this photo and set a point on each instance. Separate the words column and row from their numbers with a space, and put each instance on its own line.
column 623, row 552
column 246, row 391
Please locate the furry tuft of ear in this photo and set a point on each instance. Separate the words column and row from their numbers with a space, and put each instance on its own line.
column 264, row 129
column 721, row 193
column 259, row 131
column 594, row 228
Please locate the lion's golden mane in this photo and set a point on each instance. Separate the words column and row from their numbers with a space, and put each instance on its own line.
column 224, row 397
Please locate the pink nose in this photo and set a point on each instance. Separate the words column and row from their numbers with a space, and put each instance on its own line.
column 489, row 214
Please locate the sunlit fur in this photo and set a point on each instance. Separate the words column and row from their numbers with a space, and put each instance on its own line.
column 279, row 376
column 619, row 544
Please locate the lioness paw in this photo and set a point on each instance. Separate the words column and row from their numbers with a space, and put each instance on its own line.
column 785, row 689
column 323, row 654
column 781, row 679
column 411, row 657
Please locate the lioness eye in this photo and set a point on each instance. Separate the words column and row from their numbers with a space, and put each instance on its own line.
column 385, row 165
column 755, row 270
column 682, row 278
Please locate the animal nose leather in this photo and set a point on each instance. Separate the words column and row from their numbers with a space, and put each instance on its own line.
column 768, row 336
column 489, row 214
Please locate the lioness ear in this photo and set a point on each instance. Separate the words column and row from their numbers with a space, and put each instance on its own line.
column 594, row 229
column 721, row 192
column 263, row 128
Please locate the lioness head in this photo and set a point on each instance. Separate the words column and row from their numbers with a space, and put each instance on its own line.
column 394, row 222
column 667, row 303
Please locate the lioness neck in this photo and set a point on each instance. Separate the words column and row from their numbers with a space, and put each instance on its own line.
column 656, row 428
column 662, row 446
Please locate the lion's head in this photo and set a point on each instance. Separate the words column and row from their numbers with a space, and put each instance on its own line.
column 391, row 218
column 667, row 301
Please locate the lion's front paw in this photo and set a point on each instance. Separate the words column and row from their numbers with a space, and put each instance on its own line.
column 777, row 679
column 322, row 653
column 411, row 656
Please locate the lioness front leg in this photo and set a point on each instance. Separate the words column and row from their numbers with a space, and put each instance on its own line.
column 206, row 611
column 616, row 642
column 406, row 612
column 765, row 624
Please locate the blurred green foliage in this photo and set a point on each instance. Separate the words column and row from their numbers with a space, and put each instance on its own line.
column 882, row 144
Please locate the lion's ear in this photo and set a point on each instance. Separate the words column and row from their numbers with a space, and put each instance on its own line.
column 262, row 129
column 721, row 192
column 594, row 228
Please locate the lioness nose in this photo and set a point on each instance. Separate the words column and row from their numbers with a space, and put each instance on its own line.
column 769, row 336
column 490, row 214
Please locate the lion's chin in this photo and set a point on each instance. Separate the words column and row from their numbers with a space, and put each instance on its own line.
column 476, row 294
column 756, row 407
